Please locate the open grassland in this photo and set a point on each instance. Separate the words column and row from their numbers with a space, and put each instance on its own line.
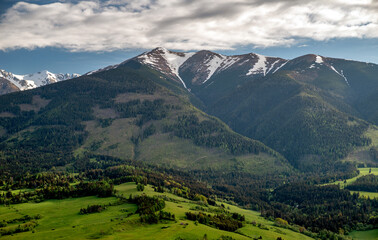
column 366, row 194
column 60, row 219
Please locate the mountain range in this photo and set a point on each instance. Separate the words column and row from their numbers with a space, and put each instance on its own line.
column 10, row 82
column 311, row 109
column 199, row 111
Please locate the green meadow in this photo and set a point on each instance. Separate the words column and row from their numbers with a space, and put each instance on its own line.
column 60, row 219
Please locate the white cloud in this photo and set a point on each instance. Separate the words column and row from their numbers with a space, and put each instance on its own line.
column 183, row 24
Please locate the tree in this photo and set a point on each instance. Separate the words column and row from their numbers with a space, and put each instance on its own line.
column 140, row 187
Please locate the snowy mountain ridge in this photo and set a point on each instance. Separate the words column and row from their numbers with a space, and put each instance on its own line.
column 30, row 81
column 203, row 68
column 206, row 64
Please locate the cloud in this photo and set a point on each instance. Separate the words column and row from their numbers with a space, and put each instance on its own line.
column 183, row 24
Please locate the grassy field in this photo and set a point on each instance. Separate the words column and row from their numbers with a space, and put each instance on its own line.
column 363, row 172
column 61, row 220
column 365, row 235
column 366, row 194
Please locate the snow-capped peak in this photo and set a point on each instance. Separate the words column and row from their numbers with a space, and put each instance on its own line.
column 201, row 66
column 319, row 59
column 165, row 61
column 29, row 81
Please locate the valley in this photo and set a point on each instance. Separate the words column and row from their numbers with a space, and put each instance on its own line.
column 236, row 147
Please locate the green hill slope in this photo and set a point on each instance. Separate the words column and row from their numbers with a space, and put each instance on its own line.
column 121, row 221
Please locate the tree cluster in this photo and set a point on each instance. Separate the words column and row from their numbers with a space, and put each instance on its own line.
column 220, row 221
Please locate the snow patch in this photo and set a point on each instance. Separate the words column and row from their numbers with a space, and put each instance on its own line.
column 175, row 61
column 272, row 66
column 280, row 66
column 228, row 62
column 212, row 64
column 259, row 66
column 172, row 60
column 319, row 59
column 341, row 73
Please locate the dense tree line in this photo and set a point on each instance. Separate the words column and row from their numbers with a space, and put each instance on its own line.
column 368, row 183
column 98, row 188
column 37, row 180
column 321, row 207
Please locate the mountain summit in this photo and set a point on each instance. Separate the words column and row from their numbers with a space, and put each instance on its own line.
column 197, row 68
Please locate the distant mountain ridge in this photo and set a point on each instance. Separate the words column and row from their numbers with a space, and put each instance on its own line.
column 10, row 82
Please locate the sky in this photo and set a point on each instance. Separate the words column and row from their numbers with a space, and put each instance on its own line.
column 77, row 36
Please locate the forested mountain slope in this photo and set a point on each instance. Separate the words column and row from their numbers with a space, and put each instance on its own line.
column 312, row 109
column 129, row 112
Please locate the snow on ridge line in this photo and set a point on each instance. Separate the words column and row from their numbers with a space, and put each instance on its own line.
column 260, row 65
column 172, row 60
